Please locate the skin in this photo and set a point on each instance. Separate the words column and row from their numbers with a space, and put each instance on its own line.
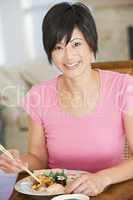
column 81, row 79
column 36, row 156
column 81, row 83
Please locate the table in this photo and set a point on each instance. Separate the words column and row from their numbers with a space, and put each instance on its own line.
column 121, row 191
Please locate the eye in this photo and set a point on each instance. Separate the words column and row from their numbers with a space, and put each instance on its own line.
column 58, row 48
column 76, row 44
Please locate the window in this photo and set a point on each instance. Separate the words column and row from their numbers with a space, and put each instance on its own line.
column 2, row 52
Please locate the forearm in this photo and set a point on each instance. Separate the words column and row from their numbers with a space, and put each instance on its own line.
column 34, row 163
column 119, row 173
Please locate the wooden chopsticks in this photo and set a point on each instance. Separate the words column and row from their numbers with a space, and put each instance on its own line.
column 7, row 153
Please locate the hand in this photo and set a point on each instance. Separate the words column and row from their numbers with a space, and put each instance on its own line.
column 11, row 166
column 89, row 184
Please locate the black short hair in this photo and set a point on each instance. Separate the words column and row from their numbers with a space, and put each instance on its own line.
column 60, row 21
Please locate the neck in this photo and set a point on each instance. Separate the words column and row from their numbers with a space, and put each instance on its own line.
column 86, row 82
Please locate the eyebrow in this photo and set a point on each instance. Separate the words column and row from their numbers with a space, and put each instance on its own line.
column 60, row 43
column 75, row 39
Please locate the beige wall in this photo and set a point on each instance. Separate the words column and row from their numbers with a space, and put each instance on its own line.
column 112, row 22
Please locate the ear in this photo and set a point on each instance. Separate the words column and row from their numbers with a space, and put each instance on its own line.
column 93, row 59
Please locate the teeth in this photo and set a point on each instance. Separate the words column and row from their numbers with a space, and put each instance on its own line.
column 72, row 65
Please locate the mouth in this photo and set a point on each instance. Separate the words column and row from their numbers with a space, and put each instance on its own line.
column 72, row 66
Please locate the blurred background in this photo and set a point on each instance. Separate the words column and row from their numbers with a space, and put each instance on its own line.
column 20, row 28
column 23, row 61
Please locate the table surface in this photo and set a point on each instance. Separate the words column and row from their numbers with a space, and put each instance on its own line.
column 121, row 191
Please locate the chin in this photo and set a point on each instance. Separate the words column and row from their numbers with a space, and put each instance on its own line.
column 71, row 76
column 74, row 74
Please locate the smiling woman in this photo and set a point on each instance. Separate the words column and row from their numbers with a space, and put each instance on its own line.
column 80, row 119
column 69, row 58
column 76, row 16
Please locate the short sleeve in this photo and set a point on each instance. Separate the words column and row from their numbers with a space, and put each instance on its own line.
column 31, row 103
column 126, row 96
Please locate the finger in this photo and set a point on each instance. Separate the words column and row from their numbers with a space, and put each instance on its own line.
column 75, row 184
column 81, row 188
column 92, row 186
column 89, row 192
column 4, row 158
column 8, row 167
column 72, row 186
column 87, row 188
column 5, row 170
column 92, row 192
column 15, row 153
column 9, row 164
column 26, row 164
column 11, row 170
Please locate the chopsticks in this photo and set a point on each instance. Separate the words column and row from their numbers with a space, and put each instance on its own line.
column 2, row 149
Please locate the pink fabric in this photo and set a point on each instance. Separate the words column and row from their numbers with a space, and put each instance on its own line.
column 91, row 142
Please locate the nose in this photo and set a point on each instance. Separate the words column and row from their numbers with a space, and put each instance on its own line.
column 68, row 53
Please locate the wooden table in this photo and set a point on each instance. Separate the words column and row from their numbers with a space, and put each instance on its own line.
column 121, row 191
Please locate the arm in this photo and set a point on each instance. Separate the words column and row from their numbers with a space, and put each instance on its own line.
column 36, row 156
column 94, row 183
column 123, row 171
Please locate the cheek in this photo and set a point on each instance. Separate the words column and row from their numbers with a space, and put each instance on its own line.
column 57, row 58
column 57, row 62
column 87, row 55
column 84, row 51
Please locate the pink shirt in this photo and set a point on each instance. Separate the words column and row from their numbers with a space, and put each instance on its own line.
column 91, row 142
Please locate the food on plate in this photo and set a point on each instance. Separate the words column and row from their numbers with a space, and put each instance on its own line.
column 56, row 188
column 45, row 181
column 51, row 182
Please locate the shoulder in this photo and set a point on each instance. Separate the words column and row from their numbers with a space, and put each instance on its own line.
column 43, row 86
column 43, row 92
column 117, row 78
column 111, row 74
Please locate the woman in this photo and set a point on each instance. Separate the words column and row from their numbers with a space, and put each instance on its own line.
column 79, row 119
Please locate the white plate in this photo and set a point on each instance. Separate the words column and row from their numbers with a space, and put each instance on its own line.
column 24, row 185
column 71, row 196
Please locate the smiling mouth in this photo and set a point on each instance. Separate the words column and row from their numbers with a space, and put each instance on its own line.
column 72, row 66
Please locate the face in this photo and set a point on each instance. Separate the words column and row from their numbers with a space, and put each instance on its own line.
column 74, row 58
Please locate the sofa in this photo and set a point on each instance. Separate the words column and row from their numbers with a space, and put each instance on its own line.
column 15, row 81
column 13, row 125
